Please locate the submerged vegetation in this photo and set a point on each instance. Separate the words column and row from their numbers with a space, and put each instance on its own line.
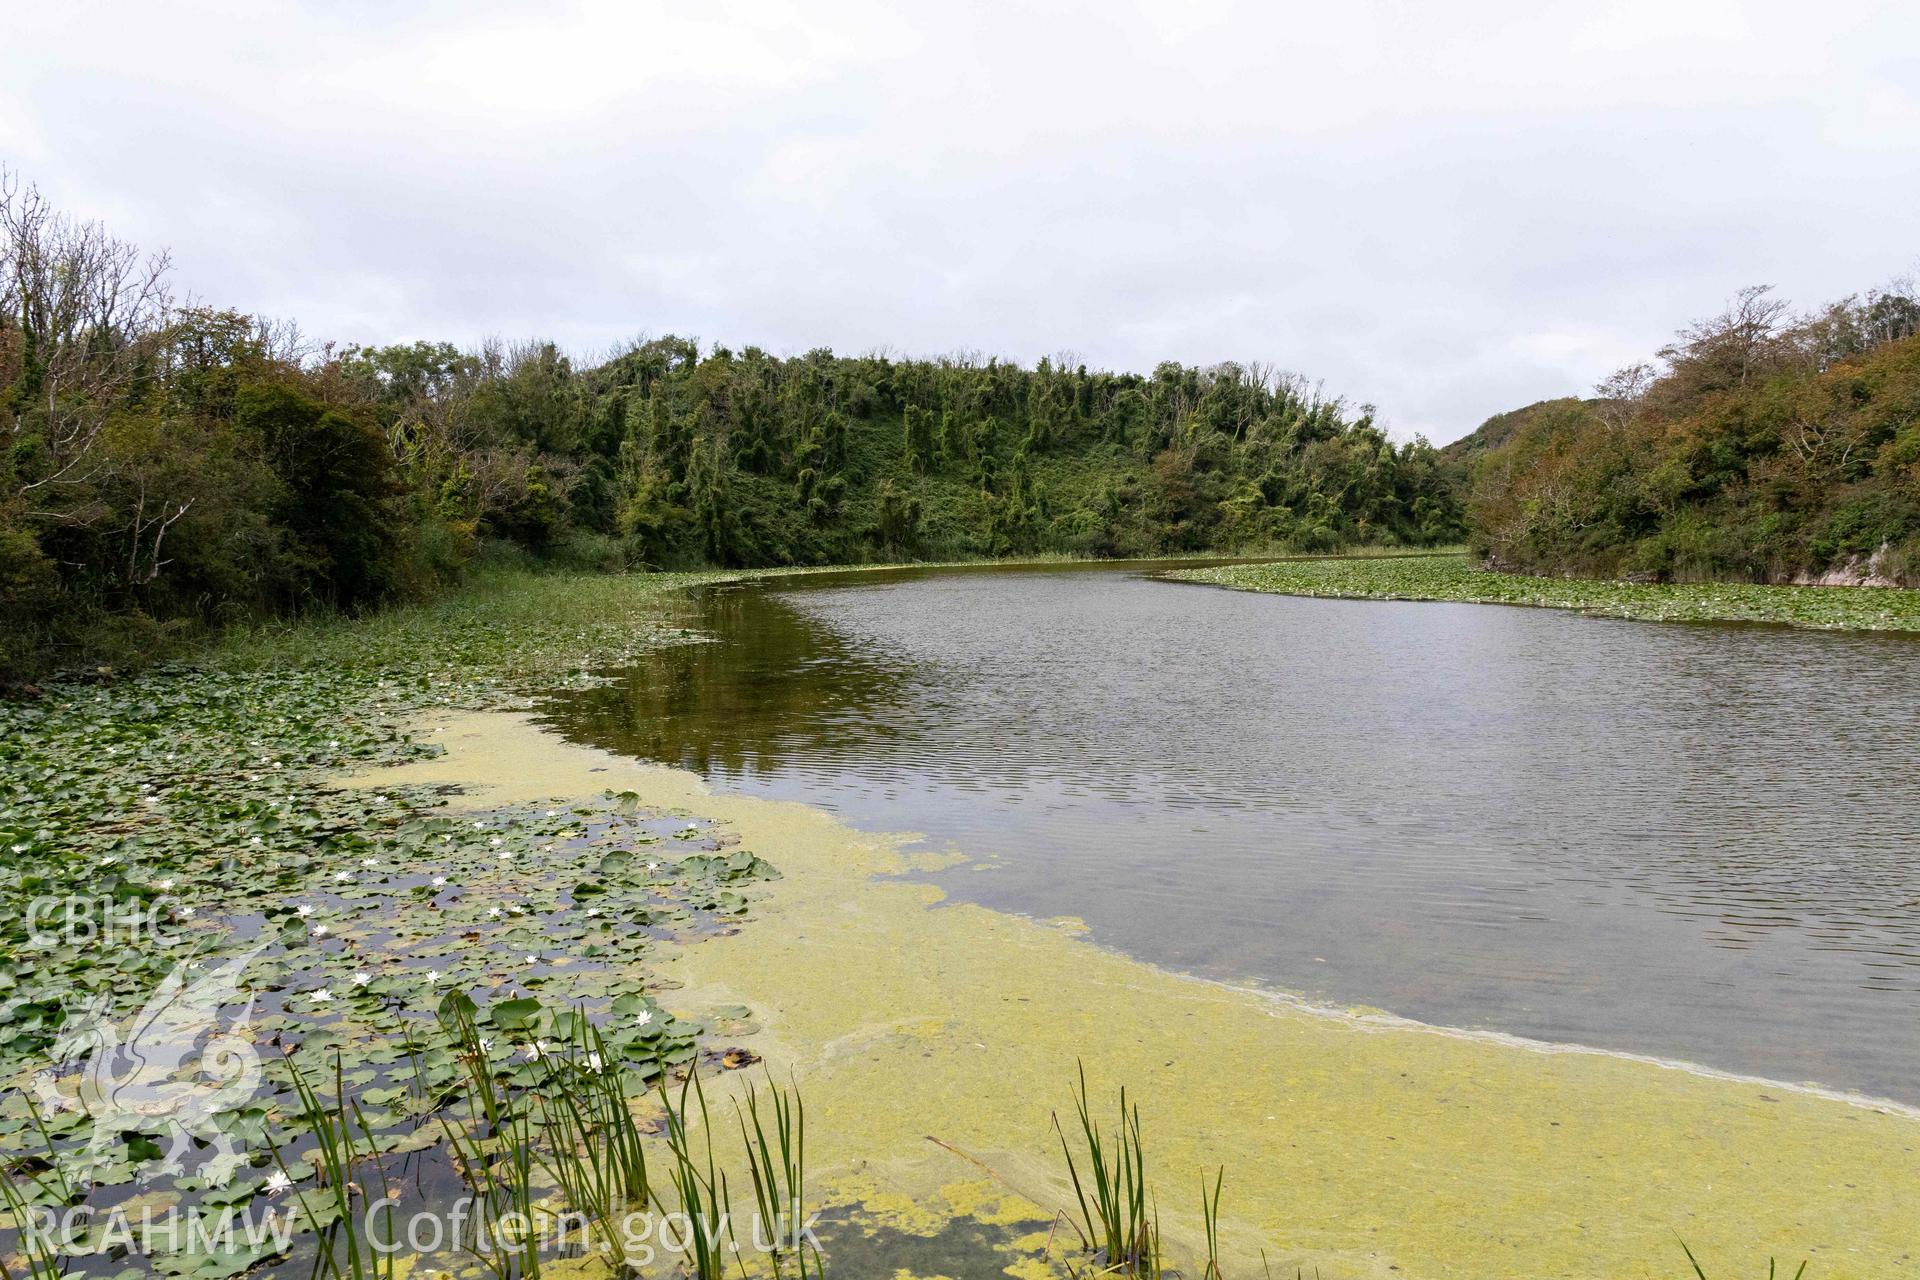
column 169, row 469
column 406, row 1006
column 1459, row 577
column 174, row 851
column 439, row 1007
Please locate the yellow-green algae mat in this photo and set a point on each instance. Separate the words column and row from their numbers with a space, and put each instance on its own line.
column 932, row 1045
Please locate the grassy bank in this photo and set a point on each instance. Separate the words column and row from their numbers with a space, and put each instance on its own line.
column 1458, row 578
column 507, row 616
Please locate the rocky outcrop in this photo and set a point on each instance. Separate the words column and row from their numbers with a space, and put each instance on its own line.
column 1875, row 570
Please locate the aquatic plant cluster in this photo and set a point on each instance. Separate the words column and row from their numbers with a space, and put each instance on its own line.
column 429, row 1017
column 171, row 852
column 1458, row 577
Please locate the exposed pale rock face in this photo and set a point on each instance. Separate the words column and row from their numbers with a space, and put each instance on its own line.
column 1875, row 570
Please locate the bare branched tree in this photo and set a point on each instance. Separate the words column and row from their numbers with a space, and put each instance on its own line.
column 1734, row 346
column 84, row 311
column 1621, row 392
column 1892, row 312
column 147, row 530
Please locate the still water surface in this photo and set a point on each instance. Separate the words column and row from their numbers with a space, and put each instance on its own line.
column 1699, row 842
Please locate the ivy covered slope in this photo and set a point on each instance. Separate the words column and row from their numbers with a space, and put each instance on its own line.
column 1463, row 578
column 162, row 826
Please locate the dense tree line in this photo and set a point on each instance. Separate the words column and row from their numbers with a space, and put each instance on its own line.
column 171, row 468
column 725, row 458
column 1766, row 447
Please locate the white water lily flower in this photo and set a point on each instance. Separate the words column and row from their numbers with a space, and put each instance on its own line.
column 433, row 977
column 496, row 841
column 277, row 1181
column 479, row 826
column 439, row 882
column 493, row 911
column 369, row 862
column 536, row 1051
column 110, row 859
column 188, row 912
column 334, row 742
column 486, row 1045
column 164, row 885
column 19, row 848
column 343, row 876
column 319, row 931
column 533, row 959
column 593, row 911
column 304, row 910
column 320, row 996
column 362, row 979
column 553, row 813
column 506, row 855
column 257, row 840
column 593, row 1062
column 643, row 1017
column 653, row 866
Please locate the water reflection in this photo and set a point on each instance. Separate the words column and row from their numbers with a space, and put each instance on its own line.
column 775, row 684
column 1694, row 841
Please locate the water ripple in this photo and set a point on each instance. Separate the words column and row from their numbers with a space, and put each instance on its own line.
column 1688, row 841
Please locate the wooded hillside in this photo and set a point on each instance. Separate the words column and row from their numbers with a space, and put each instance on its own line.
column 170, row 468
column 1766, row 447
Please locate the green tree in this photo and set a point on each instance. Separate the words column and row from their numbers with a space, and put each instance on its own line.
column 337, row 487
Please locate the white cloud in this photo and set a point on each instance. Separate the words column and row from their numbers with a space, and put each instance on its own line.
column 1443, row 210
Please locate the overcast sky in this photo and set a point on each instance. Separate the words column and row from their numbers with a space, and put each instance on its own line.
column 1443, row 209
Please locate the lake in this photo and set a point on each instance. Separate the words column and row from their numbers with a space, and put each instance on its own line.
column 1698, row 842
